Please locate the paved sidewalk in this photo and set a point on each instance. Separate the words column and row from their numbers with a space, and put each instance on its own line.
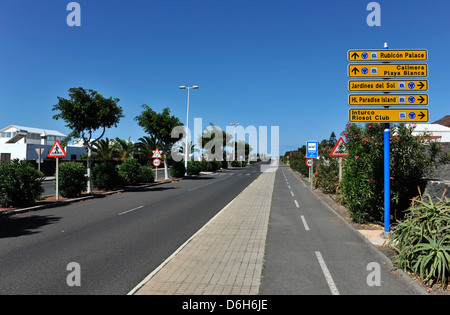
column 226, row 255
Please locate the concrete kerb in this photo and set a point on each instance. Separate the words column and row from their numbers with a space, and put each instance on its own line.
column 66, row 202
column 386, row 259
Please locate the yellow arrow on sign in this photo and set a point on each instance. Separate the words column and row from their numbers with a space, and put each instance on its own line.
column 387, row 85
column 387, row 70
column 388, row 115
column 387, row 55
column 392, row 99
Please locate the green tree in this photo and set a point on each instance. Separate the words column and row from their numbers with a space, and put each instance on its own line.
column 104, row 151
column 145, row 148
column 85, row 112
column 124, row 149
column 159, row 126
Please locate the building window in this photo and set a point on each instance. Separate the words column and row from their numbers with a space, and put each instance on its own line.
column 5, row 157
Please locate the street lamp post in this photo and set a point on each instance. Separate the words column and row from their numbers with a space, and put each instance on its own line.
column 187, row 124
column 234, row 142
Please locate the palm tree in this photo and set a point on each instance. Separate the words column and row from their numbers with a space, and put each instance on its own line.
column 104, row 151
column 145, row 148
column 124, row 149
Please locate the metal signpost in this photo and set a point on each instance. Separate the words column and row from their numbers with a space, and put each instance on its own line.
column 39, row 152
column 57, row 151
column 385, row 71
column 312, row 152
column 157, row 161
column 340, row 151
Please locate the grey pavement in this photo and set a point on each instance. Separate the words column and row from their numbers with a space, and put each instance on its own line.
column 226, row 255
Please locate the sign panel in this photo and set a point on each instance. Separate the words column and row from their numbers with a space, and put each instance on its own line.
column 156, row 154
column 57, row 150
column 388, row 115
column 312, row 149
column 388, row 55
column 385, row 99
column 387, row 70
column 387, row 85
column 340, row 149
column 156, row 162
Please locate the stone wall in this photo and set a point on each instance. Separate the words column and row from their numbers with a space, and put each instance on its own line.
column 439, row 181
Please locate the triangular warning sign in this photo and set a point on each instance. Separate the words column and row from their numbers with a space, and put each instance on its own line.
column 57, row 150
column 156, row 154
column 340, row 149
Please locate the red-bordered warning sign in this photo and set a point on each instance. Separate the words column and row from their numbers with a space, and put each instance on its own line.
column 310, row 162
column 156, row 162
column 156, row 154
column 57, row 150
column 340, row 149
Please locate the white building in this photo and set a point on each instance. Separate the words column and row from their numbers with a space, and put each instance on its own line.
column 20, row 142
column 439, row 132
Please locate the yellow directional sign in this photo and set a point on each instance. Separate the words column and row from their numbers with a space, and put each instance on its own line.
column 388, row 115
column 387, row 85
column 384, row 99
column 388, row 55
column 387, row 70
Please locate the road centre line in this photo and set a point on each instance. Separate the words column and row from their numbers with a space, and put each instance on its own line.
column 304, row 223
column 327, row 274
column 296, row 204
column 137, row 208
column 292, row 194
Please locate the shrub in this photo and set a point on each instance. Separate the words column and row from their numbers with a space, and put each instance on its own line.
column 72, row 179
column 147, row 175
column 130, row 171
column 106, row 177
column 363, row 170
column 422, row 241
column 215, row 165
column 178, row 169
column 206, row 166
column 194, row 167
column 20, row 183
column 236, row 164
column 327, row 174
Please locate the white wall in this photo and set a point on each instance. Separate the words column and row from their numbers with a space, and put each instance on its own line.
column 17, row 150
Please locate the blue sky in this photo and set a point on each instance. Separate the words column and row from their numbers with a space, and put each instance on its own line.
column 257, row 62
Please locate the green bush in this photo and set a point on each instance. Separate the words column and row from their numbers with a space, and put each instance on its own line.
column 194, row 168
column 177, row 169
column 20, row 183
column 236, row 164
column 363, row 170
column 215, row 165
column 72, row 179
column 206, row 166
column 106, row 177
column 147, row 175
column 327, row 174
column 130, row 171
column 422, row 241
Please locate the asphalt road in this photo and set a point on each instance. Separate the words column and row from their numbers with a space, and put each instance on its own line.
column 310, row 250
column 116, row 241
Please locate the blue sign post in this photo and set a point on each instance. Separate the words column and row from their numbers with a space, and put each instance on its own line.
column 312, row 152
column 387, row 176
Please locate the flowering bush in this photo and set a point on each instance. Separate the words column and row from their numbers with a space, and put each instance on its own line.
column 326, row 174
column 363, row 171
